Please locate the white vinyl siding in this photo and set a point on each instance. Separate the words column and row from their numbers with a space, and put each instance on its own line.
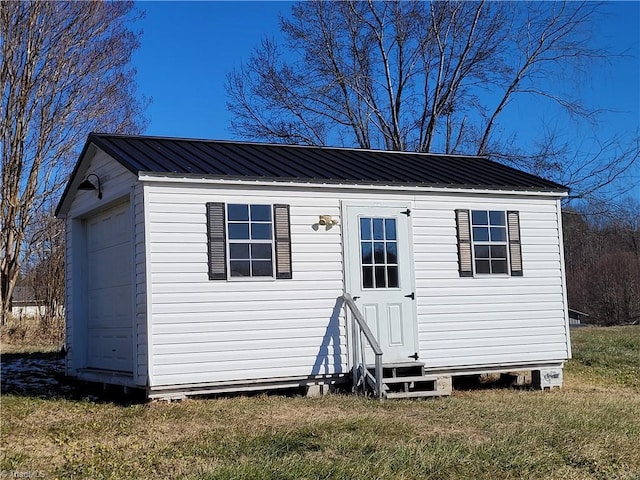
column 488, row 320
column 207, row 331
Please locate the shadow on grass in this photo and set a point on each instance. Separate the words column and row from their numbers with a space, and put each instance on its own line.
column 41, row 375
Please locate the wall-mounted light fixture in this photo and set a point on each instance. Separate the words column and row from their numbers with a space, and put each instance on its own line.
column 327, row 221
column 88, row 185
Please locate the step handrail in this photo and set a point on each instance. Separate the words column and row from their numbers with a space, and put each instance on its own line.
column 360, row 332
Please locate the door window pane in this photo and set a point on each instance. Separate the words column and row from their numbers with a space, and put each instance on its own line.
column 378, row 230
column 392, row 252
column 367, row 277
column 378, row 253
column 365, row 229
column 381, row 277
column 392, row 274
column 366, row 247
column 390, row 228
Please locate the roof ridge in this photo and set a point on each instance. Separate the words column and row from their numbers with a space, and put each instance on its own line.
column 285, row 145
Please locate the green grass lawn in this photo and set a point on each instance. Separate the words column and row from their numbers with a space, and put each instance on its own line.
column 589, row 429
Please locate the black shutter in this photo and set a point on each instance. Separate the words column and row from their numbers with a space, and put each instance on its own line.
column 465, row 265
column 217, row 240
column 282, row 228
column 515, row 250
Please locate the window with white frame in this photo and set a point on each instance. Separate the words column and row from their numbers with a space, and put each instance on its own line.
column 489, row 242
column 489, row 228
column 248, row 240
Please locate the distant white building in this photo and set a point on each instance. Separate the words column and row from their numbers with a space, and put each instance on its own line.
column 24, row 303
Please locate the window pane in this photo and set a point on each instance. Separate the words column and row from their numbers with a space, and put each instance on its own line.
column 239, row 231
column 479, row 217
column 365, row 229
column 261, row 251
column 498, row 234
column 239, row 269
column 381, row 281
column 496, row 218
column 261, row 213
column 498, row 266
column 367, row 277
column 499, row 251
column 237, row 212
column 392, row 272
column 481, row 251
column 482, row 266
column 392, row 252
column 261, row 231
column 480, row 234
column 239, row 251
column 366, row 253
column 378, row 230
column 390, row 228
column 378, row 252
column 261, row 268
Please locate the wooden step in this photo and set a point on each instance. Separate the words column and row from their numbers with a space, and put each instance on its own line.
column 399, row 365
column 416, row 394
column 415, row 378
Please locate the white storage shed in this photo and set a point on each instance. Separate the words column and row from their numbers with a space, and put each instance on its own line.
column 198, row 266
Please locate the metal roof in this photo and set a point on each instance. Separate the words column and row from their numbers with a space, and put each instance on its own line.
column 256, row 161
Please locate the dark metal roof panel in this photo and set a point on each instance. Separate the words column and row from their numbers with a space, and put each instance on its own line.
column 225, row 159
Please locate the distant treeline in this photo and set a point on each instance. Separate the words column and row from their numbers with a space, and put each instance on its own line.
column 602, row 257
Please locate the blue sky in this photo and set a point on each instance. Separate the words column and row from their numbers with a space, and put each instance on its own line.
column 189, row 47
column 187, row 50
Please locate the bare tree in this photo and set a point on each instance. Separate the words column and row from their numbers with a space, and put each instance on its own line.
column 44, row 267
column 428, row 76
column 64, row 73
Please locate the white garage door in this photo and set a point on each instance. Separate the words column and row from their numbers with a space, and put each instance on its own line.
column 109, row 326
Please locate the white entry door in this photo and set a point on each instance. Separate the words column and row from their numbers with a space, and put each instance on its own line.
column 109, row 295
column 380, row 276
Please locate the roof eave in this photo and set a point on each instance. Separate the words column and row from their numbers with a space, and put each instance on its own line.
column 296, row 182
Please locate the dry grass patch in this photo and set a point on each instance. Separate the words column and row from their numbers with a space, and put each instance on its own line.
column 31, row 334
column 588, row 430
